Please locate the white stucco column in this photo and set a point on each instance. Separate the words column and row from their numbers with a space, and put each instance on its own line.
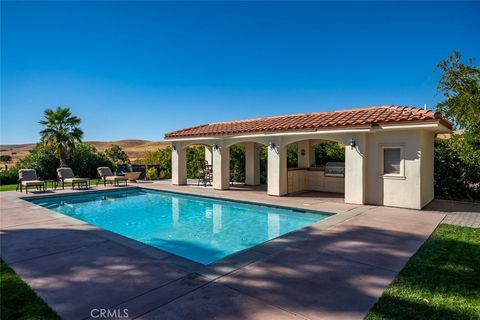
column 179, row 165
column 208, row 154
column 252, row 164
column 355, row 170
column 277, row 168
column 221, row 166
column 304, row 161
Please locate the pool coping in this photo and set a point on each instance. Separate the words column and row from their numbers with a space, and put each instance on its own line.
column 293, row 208
column 212, row 271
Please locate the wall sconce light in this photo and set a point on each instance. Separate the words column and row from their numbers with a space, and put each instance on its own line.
column 174, row 147
column 352, row 143
column 271, row 145
column 302, row 152
column 215, row 146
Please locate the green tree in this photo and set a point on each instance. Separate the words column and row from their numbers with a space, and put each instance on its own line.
column 162, row 157
column 116, row 154
column 457, row 160
column 457, row 169
column 292, row 156
column 85, row 160
column 6, row 158
column 237, row 163
column 195, row 156
column 460, row 85
column 61, row 132
column 263, row 164
column 43, row 159
column 329, row 151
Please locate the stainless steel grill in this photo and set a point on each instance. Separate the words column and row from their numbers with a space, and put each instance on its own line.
column 335, row 169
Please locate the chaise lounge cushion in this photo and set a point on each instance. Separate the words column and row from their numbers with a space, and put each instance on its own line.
column 75, row 180
column 32, row 183
column 107, row 174
column 115, row 178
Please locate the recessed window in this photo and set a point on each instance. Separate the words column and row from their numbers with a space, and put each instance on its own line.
column 391, row 161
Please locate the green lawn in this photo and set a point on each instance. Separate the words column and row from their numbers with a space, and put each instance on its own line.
column 12, row 187
column 18, row 301
column 8, row 187
column 441, row 281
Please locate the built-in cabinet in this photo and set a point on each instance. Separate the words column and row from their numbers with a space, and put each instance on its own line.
column 313, row 180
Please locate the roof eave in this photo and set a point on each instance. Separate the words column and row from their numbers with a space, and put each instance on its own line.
column 437, row 125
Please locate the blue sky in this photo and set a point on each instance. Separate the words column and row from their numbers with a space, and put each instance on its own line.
column 164, row 66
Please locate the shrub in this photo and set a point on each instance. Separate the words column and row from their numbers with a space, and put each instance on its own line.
column 152, row 173
column 457, row 168
column 5, row 158
column 292, row 156
column 329, row 151
column 162, row 157
column 165, row 163
column 263, row 165
column 116, row 155
column 43, row 160
column 195, row 156
column 9, row 176
column 237, row 163
column 85, row 161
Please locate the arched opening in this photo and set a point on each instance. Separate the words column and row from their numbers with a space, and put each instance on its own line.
column 248, row 164
column 315, row 165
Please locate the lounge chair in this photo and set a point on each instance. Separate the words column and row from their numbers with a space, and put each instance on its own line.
column 28, row 178
column 105, row 174
column 66, row 175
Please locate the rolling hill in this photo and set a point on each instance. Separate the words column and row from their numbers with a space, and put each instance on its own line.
column 134, row 148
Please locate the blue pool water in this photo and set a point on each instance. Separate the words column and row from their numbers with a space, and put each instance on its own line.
column 197, row 228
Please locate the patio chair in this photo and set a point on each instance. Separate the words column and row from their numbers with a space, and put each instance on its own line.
column 28, row 178
column 105, row 174
column 66, row 175
column 206, row 174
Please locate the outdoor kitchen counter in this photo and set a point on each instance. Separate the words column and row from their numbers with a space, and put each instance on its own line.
column 312, row 179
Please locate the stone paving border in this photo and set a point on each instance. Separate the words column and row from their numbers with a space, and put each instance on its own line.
column 459, row 213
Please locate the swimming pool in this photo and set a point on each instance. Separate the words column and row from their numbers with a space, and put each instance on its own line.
column 197, row 228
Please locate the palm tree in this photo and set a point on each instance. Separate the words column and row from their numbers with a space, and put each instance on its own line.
column 61, row 132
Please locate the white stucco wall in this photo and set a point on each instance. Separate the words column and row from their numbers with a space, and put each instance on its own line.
column 402, row 191
column 356, row 162
column 427, row 163
column 221, row 166
column 252, row 164
column 179, row 165
column 277, row 168
column 208, row 154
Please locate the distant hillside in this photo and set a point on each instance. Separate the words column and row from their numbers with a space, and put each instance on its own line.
column 134, row 148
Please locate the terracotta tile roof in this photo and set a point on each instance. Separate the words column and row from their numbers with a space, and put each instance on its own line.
column 364, row 117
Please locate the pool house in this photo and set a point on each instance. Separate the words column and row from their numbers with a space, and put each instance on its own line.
column 388, row 153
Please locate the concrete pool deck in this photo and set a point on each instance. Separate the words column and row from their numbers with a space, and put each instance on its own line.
column 334, row 269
